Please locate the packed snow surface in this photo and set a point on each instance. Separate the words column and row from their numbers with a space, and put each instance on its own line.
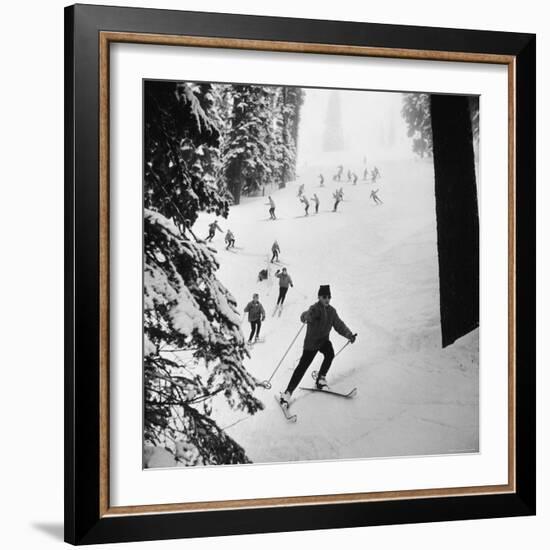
column 413, row 397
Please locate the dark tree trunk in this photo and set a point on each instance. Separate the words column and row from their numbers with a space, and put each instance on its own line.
column 234, row 180
column 457, row 216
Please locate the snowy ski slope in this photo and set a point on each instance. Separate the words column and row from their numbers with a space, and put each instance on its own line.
column 414, row 398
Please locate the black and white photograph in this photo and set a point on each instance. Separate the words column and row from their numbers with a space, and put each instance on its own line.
column 311, row 274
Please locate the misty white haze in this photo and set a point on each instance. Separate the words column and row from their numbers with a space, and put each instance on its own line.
column 371, row 122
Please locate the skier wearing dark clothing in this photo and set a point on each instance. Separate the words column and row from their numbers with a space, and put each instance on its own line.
column 229, row 239
column 275, row 249
column 284, row 282
column 320, row 318
column 303, row 199
column 315, row 199
column 256, row 314
column 212, row 230
column 271, row 205
column 374, row 196
column 337, row 199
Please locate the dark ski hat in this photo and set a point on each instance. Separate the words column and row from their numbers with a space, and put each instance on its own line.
column 324, row 290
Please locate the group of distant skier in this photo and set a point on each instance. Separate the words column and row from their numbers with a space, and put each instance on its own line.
column 352, row 176
column 338, row 196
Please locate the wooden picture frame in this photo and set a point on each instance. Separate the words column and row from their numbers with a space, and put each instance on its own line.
column 89, row 33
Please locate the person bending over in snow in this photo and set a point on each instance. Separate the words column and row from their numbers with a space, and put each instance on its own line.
column 229, row 239
column 284, row 282
column 212, row 230
column 275, row 248
column 303, row 199
column 256, row 314
column 315, row 199
column 320, row 318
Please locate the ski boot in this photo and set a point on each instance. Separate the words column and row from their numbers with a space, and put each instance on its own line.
column 321, row 383
column 284, row 399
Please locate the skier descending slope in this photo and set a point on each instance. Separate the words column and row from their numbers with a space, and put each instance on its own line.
column 315, row 199
column 303, row 199
column 338, row 196
column 276, row 249
column 229, row 239
column 256, row 314
column 320, row 318
column 212, row 230
column 374, row 196
column 284, row 282
column 271, row 205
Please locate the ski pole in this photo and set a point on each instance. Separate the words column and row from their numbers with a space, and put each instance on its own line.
column 267, row 383
column 315, row 373
column 342, row 348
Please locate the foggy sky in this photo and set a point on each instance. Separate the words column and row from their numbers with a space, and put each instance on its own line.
column 368, row 120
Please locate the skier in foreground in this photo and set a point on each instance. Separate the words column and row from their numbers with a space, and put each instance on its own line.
column 256, row 314
column 320, row 318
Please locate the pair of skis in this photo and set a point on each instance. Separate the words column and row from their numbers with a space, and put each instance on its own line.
column 293, row 417
column 277, row 309
column 252, row 343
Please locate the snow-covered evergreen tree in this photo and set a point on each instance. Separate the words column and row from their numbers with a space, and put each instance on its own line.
column 246, row 160
column 260, row 142
column 185, row 307
column 416, row 112
column 290, row 102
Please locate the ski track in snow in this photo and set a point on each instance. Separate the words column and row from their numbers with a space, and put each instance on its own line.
column 414, row 398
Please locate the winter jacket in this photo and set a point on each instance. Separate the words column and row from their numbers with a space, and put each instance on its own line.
column 284, row 279
column 320, row 320
column 275, row 247
column 256, row 311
